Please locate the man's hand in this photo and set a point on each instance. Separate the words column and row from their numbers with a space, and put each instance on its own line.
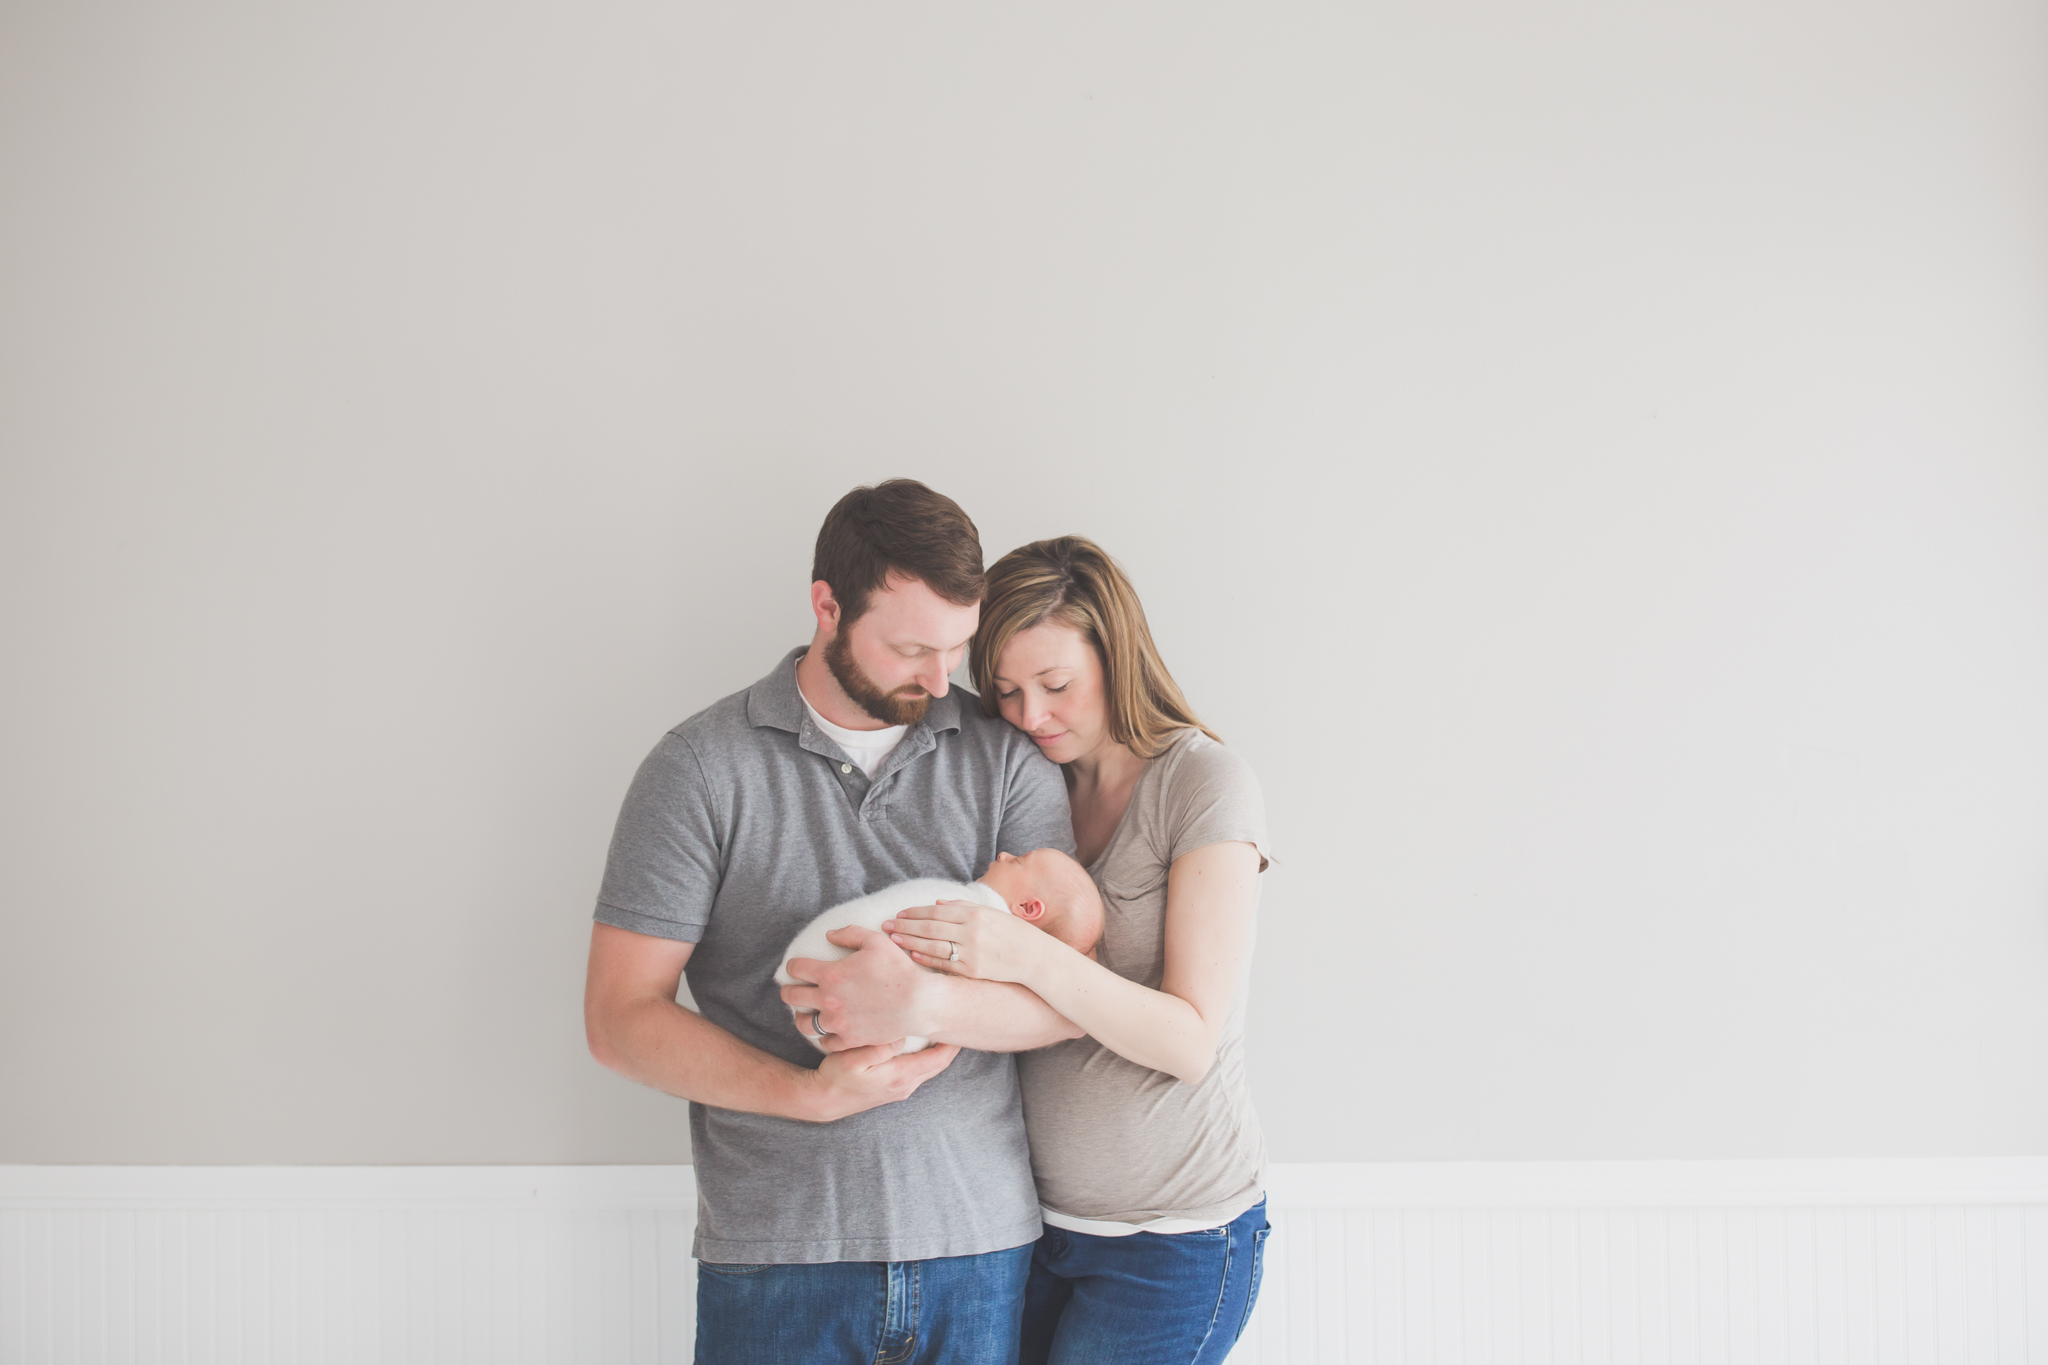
column 878, row 995
column 861, row 1078
column 637, row 1029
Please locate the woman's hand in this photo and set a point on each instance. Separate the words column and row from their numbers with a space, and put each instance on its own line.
column 969, row 940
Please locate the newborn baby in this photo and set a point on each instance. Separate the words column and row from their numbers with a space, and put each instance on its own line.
column 1044, row 886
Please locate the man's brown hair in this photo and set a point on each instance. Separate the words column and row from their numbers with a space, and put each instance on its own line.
column 898, row 526
column 1071, row 580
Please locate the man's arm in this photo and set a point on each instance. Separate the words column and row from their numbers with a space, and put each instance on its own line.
column 879, row 995
column 636, row 1028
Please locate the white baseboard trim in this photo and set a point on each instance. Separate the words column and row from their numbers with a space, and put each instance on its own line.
column 1537, row 1263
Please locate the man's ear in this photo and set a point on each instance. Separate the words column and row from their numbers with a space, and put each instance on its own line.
column 824, row 606
column 1032, row 909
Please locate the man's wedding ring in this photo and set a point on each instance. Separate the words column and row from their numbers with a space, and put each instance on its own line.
column 954, row 954
column 818, row 1023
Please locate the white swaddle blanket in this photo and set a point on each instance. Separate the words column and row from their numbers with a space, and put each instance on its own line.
column 869, row 912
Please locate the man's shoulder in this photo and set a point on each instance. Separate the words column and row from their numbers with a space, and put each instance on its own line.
column 748, row 718
column 718, row 746
column 765, row 705
column 992, row 733
column 719, row 723
column 999, row 749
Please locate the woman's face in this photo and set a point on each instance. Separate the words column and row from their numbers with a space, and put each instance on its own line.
column 1049, row 684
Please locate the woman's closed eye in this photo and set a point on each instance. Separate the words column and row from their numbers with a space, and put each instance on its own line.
column 1005, row 696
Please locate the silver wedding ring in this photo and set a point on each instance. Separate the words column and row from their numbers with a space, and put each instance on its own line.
column 818, row 1023
column 953, row 955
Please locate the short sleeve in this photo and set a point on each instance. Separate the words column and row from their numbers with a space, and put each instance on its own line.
column 1213, row 798
column 1035, row 813
column 662, row 875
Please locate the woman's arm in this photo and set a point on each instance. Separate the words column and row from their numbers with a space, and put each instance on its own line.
column 1209, row 894
column 878, row 995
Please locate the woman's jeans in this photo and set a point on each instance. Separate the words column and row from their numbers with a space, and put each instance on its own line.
column 954, row 1310
column 1145, row 1299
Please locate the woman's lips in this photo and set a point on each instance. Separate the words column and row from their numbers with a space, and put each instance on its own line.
column 1048, row 739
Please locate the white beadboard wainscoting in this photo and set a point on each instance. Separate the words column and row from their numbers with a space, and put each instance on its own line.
column 1543, row 1263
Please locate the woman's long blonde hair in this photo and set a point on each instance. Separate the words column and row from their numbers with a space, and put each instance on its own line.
column 1070, row 580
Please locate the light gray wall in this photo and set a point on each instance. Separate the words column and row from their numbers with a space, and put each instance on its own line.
column 1592, row 460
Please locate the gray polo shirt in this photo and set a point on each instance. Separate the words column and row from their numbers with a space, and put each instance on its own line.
column 739, row 828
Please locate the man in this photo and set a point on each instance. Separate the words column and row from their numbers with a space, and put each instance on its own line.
column 867, row 1206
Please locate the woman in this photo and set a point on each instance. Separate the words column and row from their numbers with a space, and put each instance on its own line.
column 1148, row 1157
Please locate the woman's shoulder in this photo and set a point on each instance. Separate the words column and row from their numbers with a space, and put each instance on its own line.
column 1194, row 792
column 1205, row 793
column 1194, row 762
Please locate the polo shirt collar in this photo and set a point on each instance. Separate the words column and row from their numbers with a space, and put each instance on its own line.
column 775, row 702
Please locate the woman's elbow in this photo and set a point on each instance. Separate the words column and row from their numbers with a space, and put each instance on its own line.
column 1191, row 1069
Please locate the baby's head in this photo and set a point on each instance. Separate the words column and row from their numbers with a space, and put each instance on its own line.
column 1051, row 890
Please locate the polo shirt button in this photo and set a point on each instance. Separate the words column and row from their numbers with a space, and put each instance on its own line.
column 846, row 767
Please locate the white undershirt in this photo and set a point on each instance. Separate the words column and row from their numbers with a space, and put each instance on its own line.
column 867, row 748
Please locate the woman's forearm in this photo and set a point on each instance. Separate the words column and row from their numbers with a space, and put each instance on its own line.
column 1210, row 892
column 1152, row 1028
column 994, row 1016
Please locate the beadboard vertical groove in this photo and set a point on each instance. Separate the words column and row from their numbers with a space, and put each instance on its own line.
column 1538, row 1264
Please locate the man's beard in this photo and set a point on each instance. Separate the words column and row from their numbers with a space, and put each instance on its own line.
column 904, row 706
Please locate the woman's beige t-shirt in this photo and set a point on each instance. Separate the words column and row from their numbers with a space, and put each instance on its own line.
column 1114, row 1140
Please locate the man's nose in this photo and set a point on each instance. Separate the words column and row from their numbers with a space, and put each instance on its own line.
column 932, row 678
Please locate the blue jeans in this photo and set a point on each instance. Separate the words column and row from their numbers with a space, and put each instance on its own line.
column 1145, row 1299
column 936, row 1312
